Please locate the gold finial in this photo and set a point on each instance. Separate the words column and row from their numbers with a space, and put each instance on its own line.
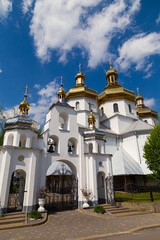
column 91, row 120
column 112, row 75
column 80, row 77
column 61, row 93
column 80, row 67
column 138, row 91
column 24, row 105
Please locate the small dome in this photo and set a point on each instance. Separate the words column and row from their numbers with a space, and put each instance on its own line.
column 111, row 72
column 80, row 75
column 139, row 97
column 91, row 120
column 61, row 94
column 24, row 106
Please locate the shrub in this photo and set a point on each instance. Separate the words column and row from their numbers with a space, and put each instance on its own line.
column 99, row 209
column 35, row 214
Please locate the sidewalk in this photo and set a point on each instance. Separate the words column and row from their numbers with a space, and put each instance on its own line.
column 79, row 225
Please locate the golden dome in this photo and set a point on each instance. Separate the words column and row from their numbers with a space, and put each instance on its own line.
column 91, row 120
column 111, row 75
column 61, row 94
column 24, row 106
column 139, row 97
column 80, row 78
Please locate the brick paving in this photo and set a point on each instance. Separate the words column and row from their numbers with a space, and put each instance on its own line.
column 75, row 225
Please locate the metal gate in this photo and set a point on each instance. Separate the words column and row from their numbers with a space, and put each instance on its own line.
column 61, row 191
column 16, row 195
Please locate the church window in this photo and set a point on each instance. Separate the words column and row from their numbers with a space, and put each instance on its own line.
column 22, row 141
column 10, row 140
column 77, row 106
column 90, row 148
column 99, row 148
column 53, row 144
column 21, row 158
column 115, row 107
column 72, row 146
column 129, row 107
column 146, row 121
column 102, row 111
column 63, row 121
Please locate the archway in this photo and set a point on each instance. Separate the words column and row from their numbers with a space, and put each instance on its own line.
column 101, row 187
column 16, row 194
column 61, row 186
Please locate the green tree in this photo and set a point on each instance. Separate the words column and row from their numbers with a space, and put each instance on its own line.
column 152, row 151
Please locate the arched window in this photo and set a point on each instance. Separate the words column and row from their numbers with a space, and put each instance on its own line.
column 90, row 148
column 22, row 141
column 77, row 106
column 33, row 142
column 115, row 107
column 10, row 140
column 99, row 148
column 129, row 107
column 72, row 146
column 63, row 121
column 102, row 111
column 53, row 142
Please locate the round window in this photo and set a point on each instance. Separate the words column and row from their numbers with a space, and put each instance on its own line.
column 21, row 158
column 100, row 164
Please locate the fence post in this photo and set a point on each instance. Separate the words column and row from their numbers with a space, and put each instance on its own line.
column 151, row 194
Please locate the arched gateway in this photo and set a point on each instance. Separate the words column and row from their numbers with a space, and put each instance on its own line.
column 16, row 194
column 61, row 187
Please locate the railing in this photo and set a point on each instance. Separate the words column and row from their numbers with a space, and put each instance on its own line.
column 134, row 193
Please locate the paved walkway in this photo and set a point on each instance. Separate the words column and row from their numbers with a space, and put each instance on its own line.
column 77, row 225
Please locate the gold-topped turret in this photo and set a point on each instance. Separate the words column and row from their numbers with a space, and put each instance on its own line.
column 24, row 105
column 111, row 75
column 91, row 120
column 61, row 93
column 139, row 101
column 80, row 77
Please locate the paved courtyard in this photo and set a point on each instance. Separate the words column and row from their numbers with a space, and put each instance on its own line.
column 78, row 225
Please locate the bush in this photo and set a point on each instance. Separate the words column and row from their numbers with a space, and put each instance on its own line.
column 99, row 209
column 35, row 214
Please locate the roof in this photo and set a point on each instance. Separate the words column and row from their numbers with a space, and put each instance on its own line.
column 137, row 126
column 124, row 164
column 62, row 104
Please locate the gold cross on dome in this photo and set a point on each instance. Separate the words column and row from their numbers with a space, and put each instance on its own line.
column 138, row 90
column 61, row 78
column 26, row 89
column 79, row 67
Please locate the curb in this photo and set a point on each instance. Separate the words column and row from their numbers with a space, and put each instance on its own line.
column 27, row 225
column 119, row 233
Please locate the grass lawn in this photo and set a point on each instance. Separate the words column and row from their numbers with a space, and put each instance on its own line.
column 136, row 197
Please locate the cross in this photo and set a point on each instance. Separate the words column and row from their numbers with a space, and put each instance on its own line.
column 26, row 89
column 138, row 90
column 79, row 67
column 61, row 80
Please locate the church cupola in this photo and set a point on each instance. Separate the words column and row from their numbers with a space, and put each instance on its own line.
column 140, row 101
column 111, row 75
column 24, row 106
column 61, row 94
column 80, row 77
column 91, row 120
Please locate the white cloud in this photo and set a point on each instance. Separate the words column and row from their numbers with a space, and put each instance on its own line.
column 26, row 5
column 5, row 8
column 149, row 102
column 137, row 50
column 0, row 70
column 158, row 19
column 47, row 96
column 64, row 24
column 12, row 112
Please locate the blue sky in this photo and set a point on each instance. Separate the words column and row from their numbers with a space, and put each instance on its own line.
column 41, row 40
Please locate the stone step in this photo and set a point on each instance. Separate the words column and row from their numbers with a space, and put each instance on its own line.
column 123, row 211
column 15, row 213
column 118, row 209
column 12, row 220
column 12, row 217
column 10, row 226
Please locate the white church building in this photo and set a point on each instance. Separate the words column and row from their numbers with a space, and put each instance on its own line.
column 87, row 139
